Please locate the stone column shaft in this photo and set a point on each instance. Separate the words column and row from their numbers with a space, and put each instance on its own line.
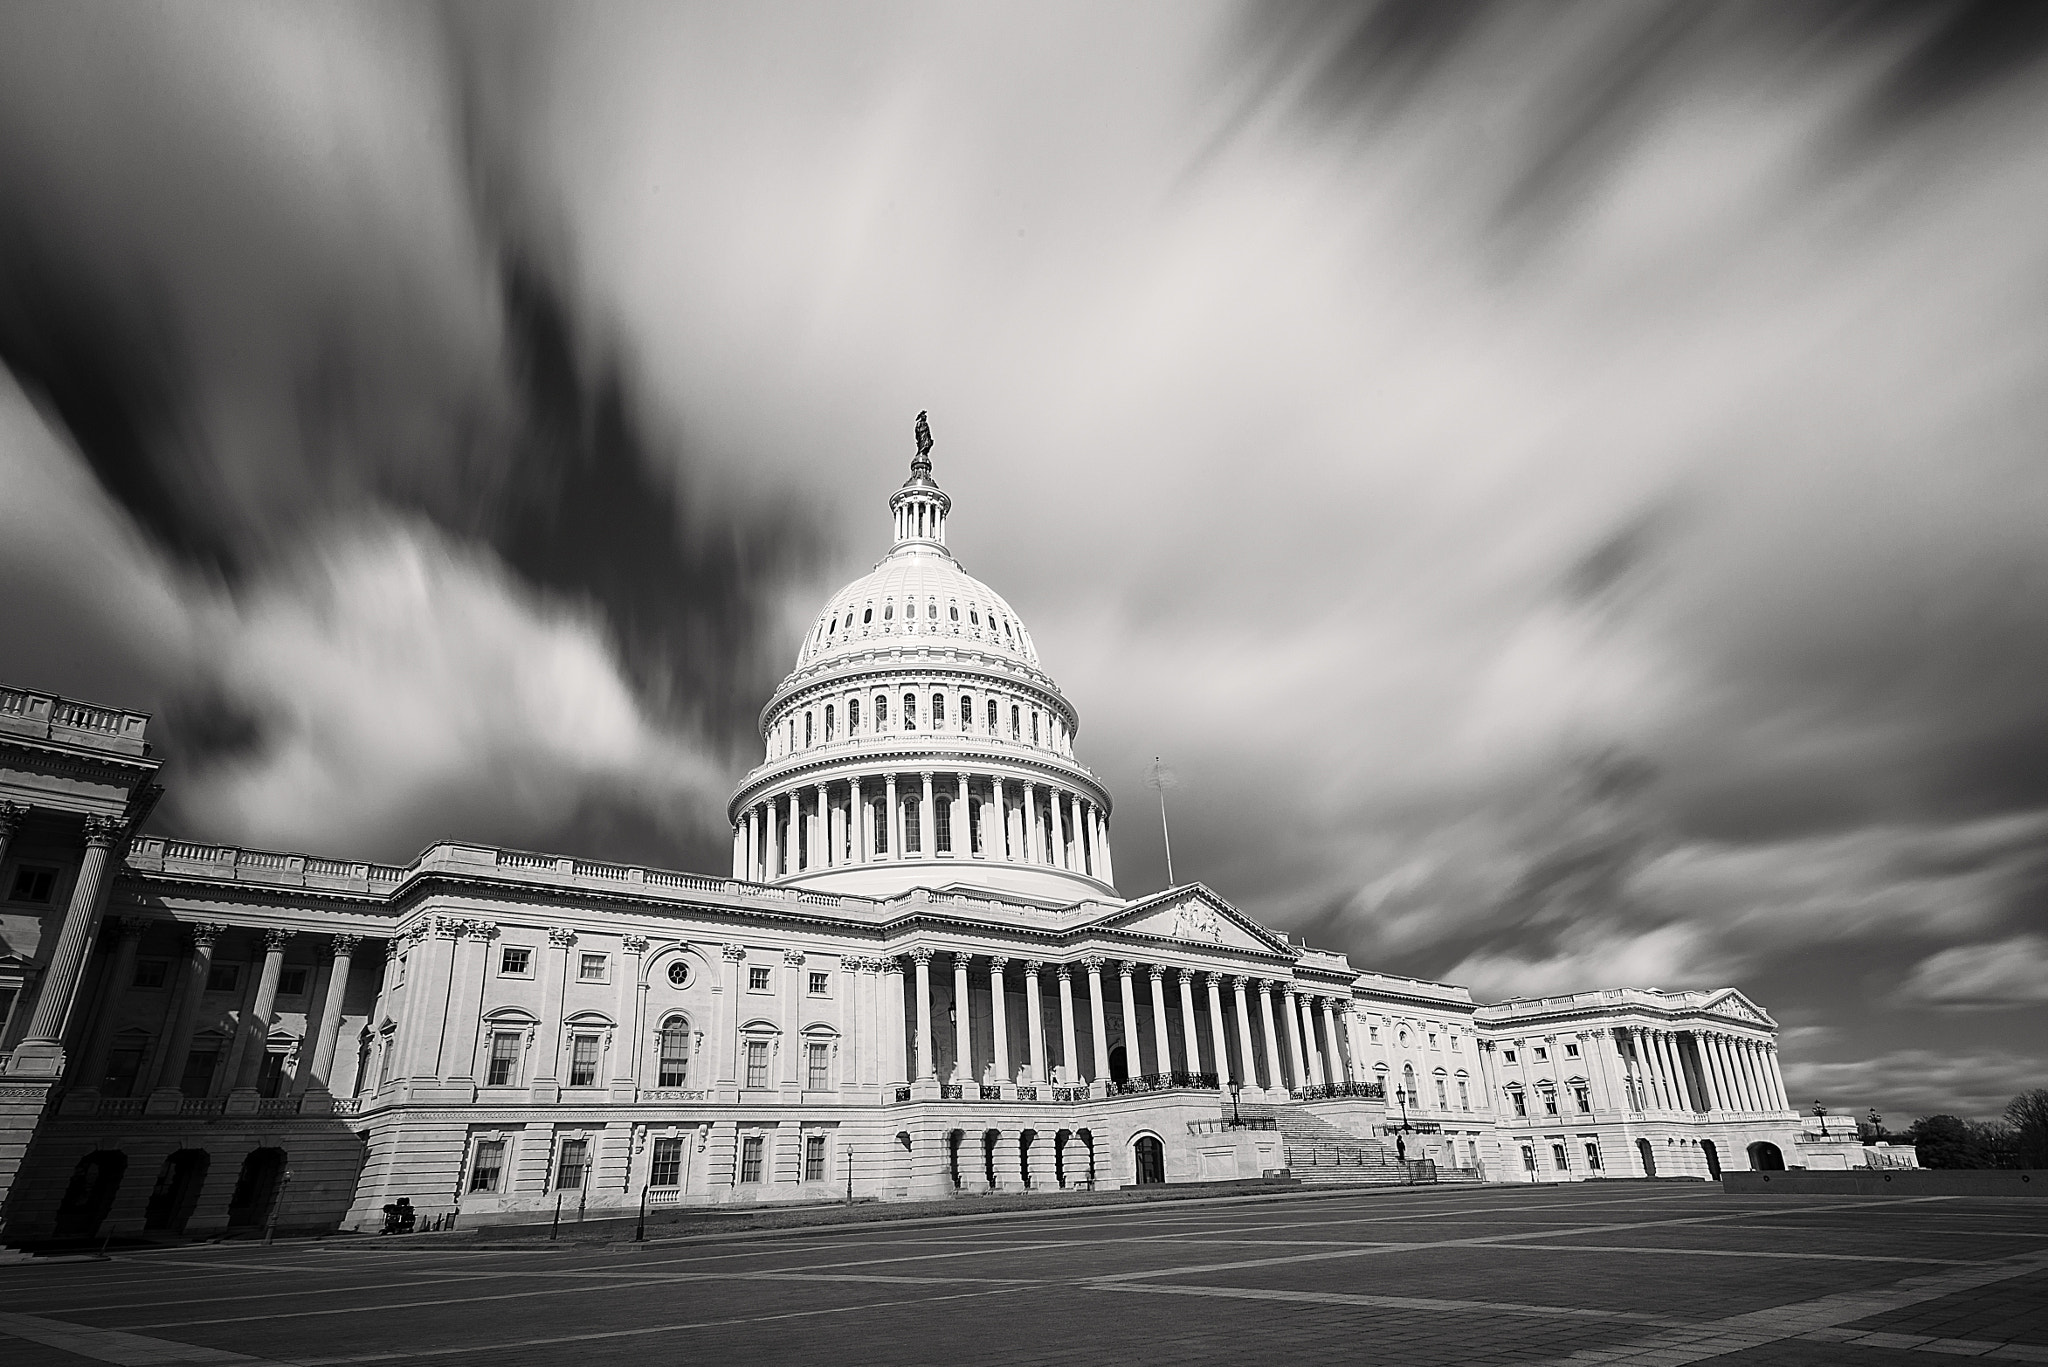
column 1034, row 1025
column 963, row 1026
column 256, row 1029
column 999, row 1017
column 1247, row 1057
column 926, row 830
column 1070, row 1053
column 923, row 959
column 1219, row 1042
column 1134, row 1054
column 74, row 937
column 330, row 1012
column 1098, row 1019
column 1289, row 1009
column 1191, row 1036
column 890, row 1005
column 1276, row 1078
column 170, row 1069
column 1162, row 1038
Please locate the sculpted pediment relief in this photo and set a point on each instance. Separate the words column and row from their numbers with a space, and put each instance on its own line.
column 1197, row 920
column 1737, row 1007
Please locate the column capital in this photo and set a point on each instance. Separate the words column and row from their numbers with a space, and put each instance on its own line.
column 998, row 964
column 1267, row 986
column 105, row 831
column 204, row 932
column 1093, row 963
column 12, row 814
column 561, row 937
column 732, row 954
column 634, row 944
column 792, row 958
column 1126, row 968
column 344, row 944
column 1064, row 972
column 921, row 954
column 1158, row 972
column 135, row 927
column 274, row 939
column 1032, row 967
column 1235, row 981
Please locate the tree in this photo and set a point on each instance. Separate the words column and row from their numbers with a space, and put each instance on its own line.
column 1947, row 1141
column 2027, row 1113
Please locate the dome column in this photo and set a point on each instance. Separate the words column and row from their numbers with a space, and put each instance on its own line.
column 821, row 838
column 1058, row 832
column 999, row 1017
column 963, row 1029
column 926, row 847
column 893, row 822
column 739, row 836
column 1247, row 1061
column 772, row 850
column 1276, row 1080
column 857, row 823
column 1134, row 1049
column 957, row 813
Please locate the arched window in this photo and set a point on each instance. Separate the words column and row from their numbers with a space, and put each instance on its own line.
column 992, row 724
column 910, row 711
column 953, row 612
column 966, row 713
column 809, row 729
column 889, row 611
column 938, row 711
column 675, row 1053
column 942, row 823
column 828, row 723
column 1408, row 1084
column 867, row 615
column 931, row 609
column 853, row 716
column 910, row 831
column 881, row 711
column 1016, row 722
column 1034, row 726
column 973, row 618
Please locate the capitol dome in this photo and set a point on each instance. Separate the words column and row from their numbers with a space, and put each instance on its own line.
column 917, row 742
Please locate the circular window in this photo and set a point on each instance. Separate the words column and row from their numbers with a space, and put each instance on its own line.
column 679, row 973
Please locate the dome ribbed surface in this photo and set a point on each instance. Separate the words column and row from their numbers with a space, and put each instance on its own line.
column 918, row 594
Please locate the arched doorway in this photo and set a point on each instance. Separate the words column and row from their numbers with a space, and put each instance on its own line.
column 176, row 1194
column 1088, row 1143
column 1765, row 1156
column 91, row 1194
column 1151, row 1160
column 1649, row 1157
column 1060, row 1139
column 989, row 1140
column 1024, row 1143
column 256, row 1189
column 1713, row 1159
column 1119, row 1065
column 954, row 1139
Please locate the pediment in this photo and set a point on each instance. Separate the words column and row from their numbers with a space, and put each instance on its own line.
column 1735, row 1006
column 1198, row 918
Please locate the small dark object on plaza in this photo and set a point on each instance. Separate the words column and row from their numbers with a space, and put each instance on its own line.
column 399, row 1216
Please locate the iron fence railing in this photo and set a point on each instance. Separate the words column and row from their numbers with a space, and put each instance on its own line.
column 1165, row 1082
column 1367, row 1091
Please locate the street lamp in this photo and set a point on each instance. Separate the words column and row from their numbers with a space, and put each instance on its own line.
column 1236, row 1120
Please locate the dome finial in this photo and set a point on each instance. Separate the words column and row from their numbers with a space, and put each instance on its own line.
column 923, row 464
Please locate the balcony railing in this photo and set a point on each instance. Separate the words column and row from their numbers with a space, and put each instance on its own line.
column 1070, row 1094
column 1165, row 1082
column 1366, row 1091
column 991, row 1093
column 903, row 1094
column 1027, row 1092
column 1226, row 1123
column 952, row 1091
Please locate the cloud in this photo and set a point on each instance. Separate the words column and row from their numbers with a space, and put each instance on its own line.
column 2010, row 972
column 1904, row 1084
column 1671, row 956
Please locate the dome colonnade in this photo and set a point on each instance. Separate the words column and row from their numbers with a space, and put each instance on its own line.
column 918, row 742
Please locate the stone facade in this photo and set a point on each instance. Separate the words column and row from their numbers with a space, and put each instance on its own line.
column 919, row 981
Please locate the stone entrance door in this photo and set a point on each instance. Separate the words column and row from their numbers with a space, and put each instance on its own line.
column 1151, row 1156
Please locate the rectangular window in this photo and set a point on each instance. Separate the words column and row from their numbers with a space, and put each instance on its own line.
column 33, row 883
column 750, row 1158
column 384, row 1061
column 291, row 982
column 757, row 980
column 942, row 824
column 814, row 1158
column 223, row 977
column 675, row 1058
column 575, row 1164
column 490, row 1161
column 910, row 711
column 590, row 968
column 1034, row 726
column 1455, row 1046
column 853, row 717
column 966, row 713
column 504, row 1066
column 124, row 1064
column 1464, row 1097
column 667, row 1168
column 828, row 723
column 1373, row 1033
column 819, row 982
column 808, row 730
column 1571, row 1051
column 151, row 972
column 911, row 832
column 1541, row 1053
column 881, row 712
column 583, row 1061
column 1592, row 1156
column 1432, row 1039
column 515, row 961
column 199, row 1069
column 398, row 978
column 1529, row 1157
column 1584, row 1098
column 819, row 1071
column 757, row 1063
column 1557, row 1157
column 1508, row 1055
column 1016, row 722
column 992, row 715
column 879, row 820
column 1443, row 1102
column 1550, row 1103
column 975, row 807
column 1521, row 1105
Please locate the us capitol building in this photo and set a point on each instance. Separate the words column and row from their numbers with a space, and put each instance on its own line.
column 918, row 981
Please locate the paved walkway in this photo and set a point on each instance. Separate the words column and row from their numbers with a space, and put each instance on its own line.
column 1660, row 1274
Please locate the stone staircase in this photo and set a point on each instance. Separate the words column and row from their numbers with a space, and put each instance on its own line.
column 1320, row 1154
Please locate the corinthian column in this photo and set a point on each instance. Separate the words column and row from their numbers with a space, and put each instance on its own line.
column 120, row 973
column 1162, row 1040
column 963, row 1020
column 1034, row 1023
column 12, row 815
column 1290, row 1008
column 1191, row 1037
column 1070, row 1054
column 1276, row 1079
column 1059, row 839
column 1134, row 1055
column 1219, row 1041
column 922, row 958
column 41, row 1052
column 256, row 1028
column 170, row 1066
column 1096, row 1017
column 344, row 947
column 1247, row 1057
column 999, row 1016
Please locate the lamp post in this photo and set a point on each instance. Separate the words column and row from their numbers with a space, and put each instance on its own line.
column 1236, row 1120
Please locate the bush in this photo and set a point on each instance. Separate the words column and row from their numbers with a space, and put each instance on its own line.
column 2027, row 1115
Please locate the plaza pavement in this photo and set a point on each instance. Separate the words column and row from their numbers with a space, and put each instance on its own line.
column 1647, row 1273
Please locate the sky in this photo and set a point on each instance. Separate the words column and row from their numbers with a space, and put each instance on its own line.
column 1561, row 486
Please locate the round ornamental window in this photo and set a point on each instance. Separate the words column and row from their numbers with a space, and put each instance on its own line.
column 679, row 973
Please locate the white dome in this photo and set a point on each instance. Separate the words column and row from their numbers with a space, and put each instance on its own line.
column 917, row 594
